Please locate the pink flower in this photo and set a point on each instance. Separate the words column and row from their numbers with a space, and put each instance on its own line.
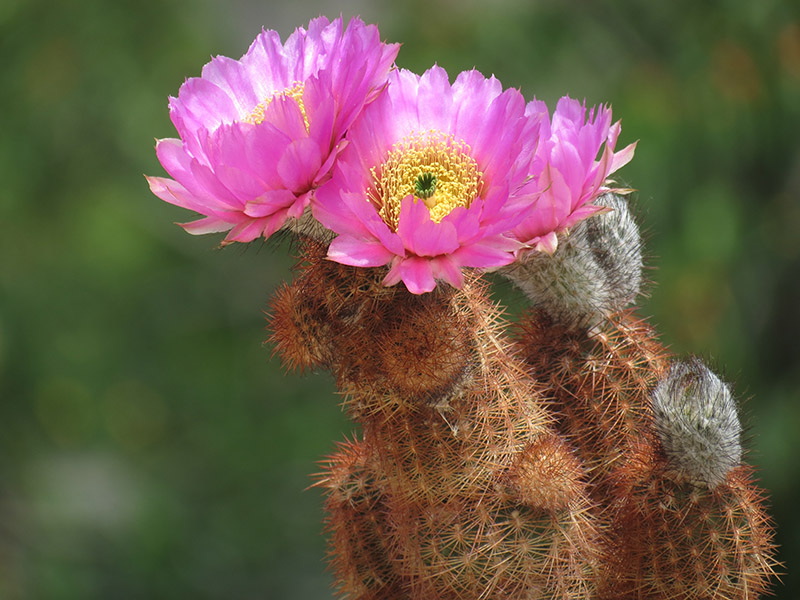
column 568, row 175
column 259, row 135
column 433, row 178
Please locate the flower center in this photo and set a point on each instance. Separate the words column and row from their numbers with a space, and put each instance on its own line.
column 295, row 92
column 434, row 168
column 425, row 186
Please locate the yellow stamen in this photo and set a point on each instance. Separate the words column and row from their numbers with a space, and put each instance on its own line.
column 295, row 92
column 417, row 160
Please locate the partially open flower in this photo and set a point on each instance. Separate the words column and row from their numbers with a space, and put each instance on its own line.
column 567, row 169
column 259, row 135
column 434, row 177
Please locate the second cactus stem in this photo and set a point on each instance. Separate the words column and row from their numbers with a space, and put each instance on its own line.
column 683, row 518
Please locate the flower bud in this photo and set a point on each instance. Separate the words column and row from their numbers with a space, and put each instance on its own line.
column 595, row 271
column 695, row 416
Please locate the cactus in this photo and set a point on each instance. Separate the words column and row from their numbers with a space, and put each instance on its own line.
column 568, row 456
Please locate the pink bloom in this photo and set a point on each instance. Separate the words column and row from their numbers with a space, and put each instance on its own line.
column 567, row 170
column 434, row 176
column 259, row 135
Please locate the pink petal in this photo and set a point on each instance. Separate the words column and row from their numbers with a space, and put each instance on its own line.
column 623, row 157
column 334, row 213
column 466, row 222
column 447, row 269
column 416, row 273
column 285, row 115
column 202, row 103
column 206, row 225
column 299, row 164
column 486, row 254
column 367, row 215
column 298, row 207
column 246, row 231
column 273, row 222
column 267, row 65
column 434, row 99
column 269, row 203
column 231, row 76
column 349, row 250
column 579, row 214
column 173, row 158
column 174, row 193
column 420, row 234
column 547, row 243
column 321, row 111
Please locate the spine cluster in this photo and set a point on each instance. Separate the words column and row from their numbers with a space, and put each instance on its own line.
column 576, row 459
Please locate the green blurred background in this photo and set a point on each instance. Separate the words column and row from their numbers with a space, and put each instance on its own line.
column 150, row 447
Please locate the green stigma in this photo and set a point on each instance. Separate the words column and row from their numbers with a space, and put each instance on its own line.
column 425, row 186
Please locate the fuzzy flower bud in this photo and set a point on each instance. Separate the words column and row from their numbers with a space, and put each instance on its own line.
column 695, row 416
column 595, row 271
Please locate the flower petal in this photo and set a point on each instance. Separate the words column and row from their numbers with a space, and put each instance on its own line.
column 299, row 164
column 416, row 273
column 420, row 234
column 349, row 250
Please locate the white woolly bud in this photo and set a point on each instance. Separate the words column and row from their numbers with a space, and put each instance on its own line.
column 695, row 416
column 595, row 271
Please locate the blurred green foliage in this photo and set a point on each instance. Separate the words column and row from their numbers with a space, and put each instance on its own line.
column 149, row 445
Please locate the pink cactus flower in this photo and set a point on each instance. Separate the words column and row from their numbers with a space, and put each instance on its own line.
column 434, row 177
column 569, row 175
column 258, row 135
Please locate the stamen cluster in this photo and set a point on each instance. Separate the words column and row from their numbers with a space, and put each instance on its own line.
column 431, row 167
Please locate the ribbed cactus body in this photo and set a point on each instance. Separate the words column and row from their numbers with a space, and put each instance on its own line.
column 601, row 385
column 356, row 519
column 459, row 472
column 681, row 518
column 675, row 539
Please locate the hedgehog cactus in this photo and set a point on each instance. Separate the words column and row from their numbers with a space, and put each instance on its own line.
column 567, row 456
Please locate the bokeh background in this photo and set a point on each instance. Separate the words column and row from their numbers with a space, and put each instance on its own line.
column 151, row 447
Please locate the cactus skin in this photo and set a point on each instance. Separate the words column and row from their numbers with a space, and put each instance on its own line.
column 450, row 493
column 676, row 529
column 356, row 507
column 601, row 384
column 691, row 522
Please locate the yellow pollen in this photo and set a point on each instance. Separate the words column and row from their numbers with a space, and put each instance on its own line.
column 295, row 92
column 457, row 178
